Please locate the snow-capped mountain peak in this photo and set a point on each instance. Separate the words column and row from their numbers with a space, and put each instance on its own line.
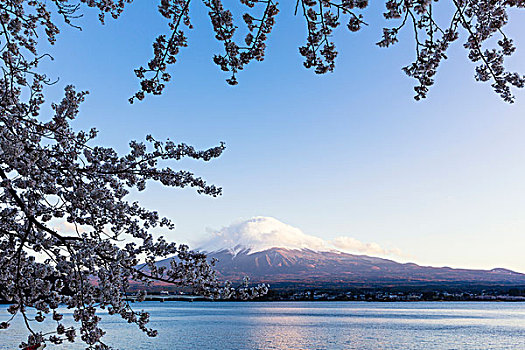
column 261, row 233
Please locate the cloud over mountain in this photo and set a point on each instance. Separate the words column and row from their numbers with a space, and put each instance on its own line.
column 349, row 244
column 261, row 233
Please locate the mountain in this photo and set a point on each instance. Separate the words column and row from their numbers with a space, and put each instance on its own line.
column 304, row 267
column 270, row 251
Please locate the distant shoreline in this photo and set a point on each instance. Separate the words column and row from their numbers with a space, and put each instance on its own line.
column 166, row 299
column 321, row 301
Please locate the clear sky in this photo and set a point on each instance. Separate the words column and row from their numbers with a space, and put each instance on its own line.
column 346, row 154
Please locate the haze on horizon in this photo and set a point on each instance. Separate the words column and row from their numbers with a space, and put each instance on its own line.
column 350, row 154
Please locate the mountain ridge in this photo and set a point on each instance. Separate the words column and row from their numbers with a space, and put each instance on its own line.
column 305, row 268
column 270, row 251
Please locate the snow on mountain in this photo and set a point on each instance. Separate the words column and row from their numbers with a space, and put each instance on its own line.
column 261, row 233
column 270, row 251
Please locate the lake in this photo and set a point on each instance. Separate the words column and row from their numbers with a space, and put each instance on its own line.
column 314, row 325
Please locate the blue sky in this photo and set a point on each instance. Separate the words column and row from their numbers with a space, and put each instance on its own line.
column 345, row 154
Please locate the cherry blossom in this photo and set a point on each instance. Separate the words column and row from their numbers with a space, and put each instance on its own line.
column 477, row 21
column 51, row 174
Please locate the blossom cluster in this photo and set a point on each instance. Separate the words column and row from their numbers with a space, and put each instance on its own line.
column 481, row 20
column 51, row 176
column 322, row 17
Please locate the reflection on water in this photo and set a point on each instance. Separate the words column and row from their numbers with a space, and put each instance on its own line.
column 316, row 325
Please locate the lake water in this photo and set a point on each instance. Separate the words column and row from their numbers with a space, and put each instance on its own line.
column 315, row 325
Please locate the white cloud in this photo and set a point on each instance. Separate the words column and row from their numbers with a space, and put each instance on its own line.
column 352, row 245
column 261, row 233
